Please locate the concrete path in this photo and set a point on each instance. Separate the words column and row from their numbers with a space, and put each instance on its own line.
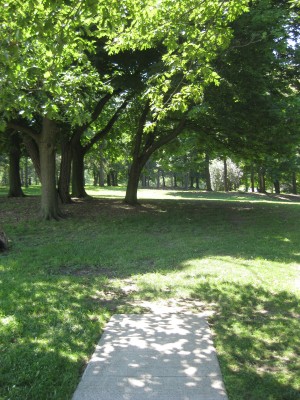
column 150, row 356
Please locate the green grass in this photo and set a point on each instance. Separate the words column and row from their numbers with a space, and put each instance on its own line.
column 236, row 255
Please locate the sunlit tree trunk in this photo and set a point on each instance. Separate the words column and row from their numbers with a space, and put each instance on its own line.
column 133, row 182
column 49, row 198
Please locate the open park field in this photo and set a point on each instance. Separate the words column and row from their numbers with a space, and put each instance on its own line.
column 236, row 255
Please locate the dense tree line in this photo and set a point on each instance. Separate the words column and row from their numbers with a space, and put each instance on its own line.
column 131, row 86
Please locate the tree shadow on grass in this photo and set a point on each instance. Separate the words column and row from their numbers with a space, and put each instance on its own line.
column 255, row 332
column 257, row 340
column 48, row 330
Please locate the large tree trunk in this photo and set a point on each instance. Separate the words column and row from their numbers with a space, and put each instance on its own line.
column 15, row 186
column 142, row 153
column 65, row 172
column 49, row 200
column 207, row 173
column 133, row 182
column 78, row 153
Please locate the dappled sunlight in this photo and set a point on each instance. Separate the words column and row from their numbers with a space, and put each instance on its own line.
column 236, row 261
column 154, row 355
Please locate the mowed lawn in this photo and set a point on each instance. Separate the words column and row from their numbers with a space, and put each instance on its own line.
column 236, row 255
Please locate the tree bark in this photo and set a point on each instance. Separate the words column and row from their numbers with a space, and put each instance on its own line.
column 207, row 173
column 49, row 198
column 175, row 181
column 277, row 186
column 15, row 186
column 163, row 179
column 78, row 152
column 186, row 180
column 65, row 172
column 252, row 179
column 26, row 173
column 133, row 182
column 144, row 180
column 158, row 179
column 261, row 179
column 142, row 153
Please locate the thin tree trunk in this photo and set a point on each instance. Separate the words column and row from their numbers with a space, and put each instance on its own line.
column 261, row 179
column 175, row 181
column 207, row 173
column 49, row 198
column 186, row 181
column 197, row 182
column 277, row 186
column 158, row 179
column 192, row 179
column 26, row 173
column 294, row 183
column 101, row 170
column 144, row 180
column 163, row 179
column 115, row 178
column 78, row 153
column 252, row 179
column 15, row 186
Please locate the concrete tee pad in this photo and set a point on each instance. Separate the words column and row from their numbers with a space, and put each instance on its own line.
column 150, row 356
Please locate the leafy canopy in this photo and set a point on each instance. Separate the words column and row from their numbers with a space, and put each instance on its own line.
column 46, row 70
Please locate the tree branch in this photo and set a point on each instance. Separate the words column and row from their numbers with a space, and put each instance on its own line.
column 164, row 140
column 95, row 114
column 23, row 129
column 103, row 132
column 140, row 130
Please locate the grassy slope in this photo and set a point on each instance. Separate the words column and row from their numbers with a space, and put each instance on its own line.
column 237, row 255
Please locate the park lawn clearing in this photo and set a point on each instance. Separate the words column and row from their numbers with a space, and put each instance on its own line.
column 237, row 255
